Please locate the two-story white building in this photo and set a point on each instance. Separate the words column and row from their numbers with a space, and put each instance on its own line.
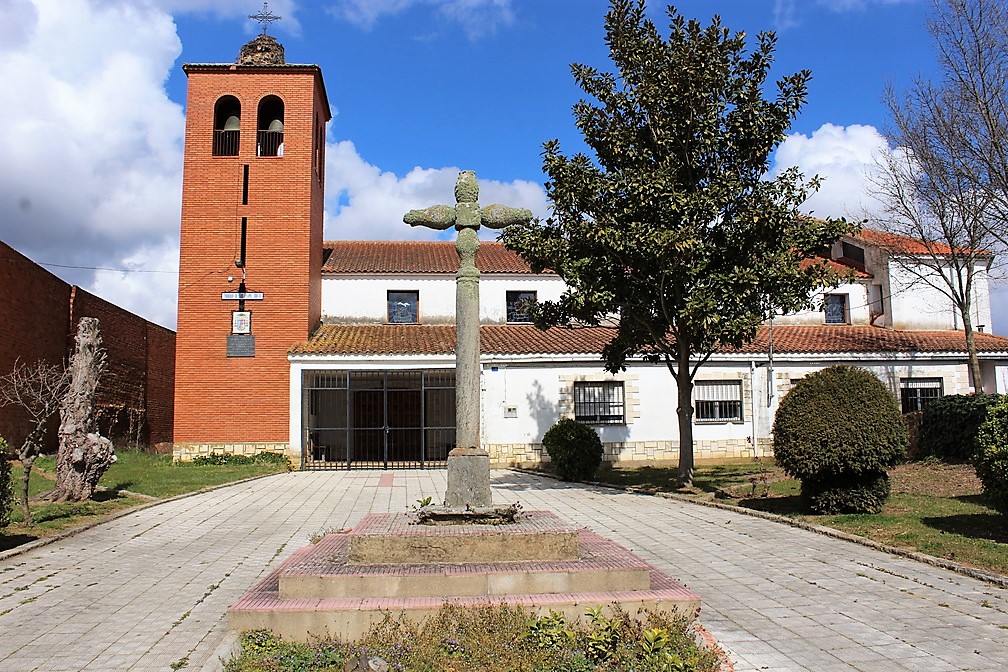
column 374, row 386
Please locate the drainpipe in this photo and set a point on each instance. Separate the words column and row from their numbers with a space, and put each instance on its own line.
column 771, row 387
column 752, row 405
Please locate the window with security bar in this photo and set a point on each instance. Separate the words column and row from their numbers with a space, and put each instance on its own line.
column 599, row 403
column 916, row 393
column 717, row 400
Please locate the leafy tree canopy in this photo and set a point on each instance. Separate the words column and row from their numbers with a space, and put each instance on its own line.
column 675, row 227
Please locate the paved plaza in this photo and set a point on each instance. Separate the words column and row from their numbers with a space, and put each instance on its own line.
column 151, row 589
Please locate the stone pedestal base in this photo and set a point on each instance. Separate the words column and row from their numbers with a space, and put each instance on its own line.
column 539, row 564
column 468, row 479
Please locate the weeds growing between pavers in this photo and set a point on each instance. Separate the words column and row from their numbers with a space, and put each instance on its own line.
column 935, row 508
column 495, row 638
column 146, row 474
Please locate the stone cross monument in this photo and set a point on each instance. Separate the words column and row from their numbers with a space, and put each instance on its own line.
column 468, row 463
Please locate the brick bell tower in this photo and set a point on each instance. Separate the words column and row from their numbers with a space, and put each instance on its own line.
column 250, row 264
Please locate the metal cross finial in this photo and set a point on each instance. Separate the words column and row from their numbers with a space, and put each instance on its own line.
column 265, row 17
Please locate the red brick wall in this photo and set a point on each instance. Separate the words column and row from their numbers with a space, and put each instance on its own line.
column 160, row 384
column 39, row 314
column 217, row 398
column 34, row 322
column 141, row 364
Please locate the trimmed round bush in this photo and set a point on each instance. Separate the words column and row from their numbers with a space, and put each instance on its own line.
column 574, row 448
column 862, row 494
column 991, row 457
column 837, row 431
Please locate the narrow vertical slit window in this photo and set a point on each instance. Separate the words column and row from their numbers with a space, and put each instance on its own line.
column 245, row 182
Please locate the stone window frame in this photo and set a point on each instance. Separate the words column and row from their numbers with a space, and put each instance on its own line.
column 631, row 393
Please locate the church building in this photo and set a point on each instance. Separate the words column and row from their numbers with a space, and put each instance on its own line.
column 340, row 354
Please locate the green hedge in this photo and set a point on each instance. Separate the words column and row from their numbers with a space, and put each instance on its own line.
column 991, row 456
column 574, row 448
column 221, row 459
column 949, row 426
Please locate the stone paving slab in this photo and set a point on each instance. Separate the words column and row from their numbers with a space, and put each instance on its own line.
column 151, row 588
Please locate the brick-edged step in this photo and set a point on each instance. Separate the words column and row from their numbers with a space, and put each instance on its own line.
column 318, row 591
column 325, row 572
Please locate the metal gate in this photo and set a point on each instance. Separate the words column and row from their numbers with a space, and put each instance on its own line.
column 377, row 419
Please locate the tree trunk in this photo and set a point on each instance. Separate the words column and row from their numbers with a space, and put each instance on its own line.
column 974, row 361
column 684, row 410
column 26, row 465
column 83, row 455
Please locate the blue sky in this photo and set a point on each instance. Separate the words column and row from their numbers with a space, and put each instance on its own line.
column 419, row 89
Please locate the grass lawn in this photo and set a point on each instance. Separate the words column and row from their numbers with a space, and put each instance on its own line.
column 143, row 473
column 934, row 508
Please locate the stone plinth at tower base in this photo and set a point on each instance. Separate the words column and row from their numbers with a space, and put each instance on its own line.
column 468, row 479
column 347, row 582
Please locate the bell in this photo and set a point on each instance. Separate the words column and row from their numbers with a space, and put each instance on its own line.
column 233, row 123
column 276, row 125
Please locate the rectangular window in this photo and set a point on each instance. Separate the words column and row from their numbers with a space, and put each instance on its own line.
column 718, row 400
column 835, row 306
column 916, row 393
column 599, row 403
column 854, row 253
column 402, row 307
column 518, row 306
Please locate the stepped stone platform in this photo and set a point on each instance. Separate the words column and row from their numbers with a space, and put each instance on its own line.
column 346, row 582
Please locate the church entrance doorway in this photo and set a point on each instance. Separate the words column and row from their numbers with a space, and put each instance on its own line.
column 378, row 419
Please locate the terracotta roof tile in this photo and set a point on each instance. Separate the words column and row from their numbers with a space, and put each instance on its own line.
column 896, row 243
column 410, row 256
column 840, row 339
column 415, row 339
column 837, row 266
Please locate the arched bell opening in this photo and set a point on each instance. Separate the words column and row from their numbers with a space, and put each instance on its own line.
column 227, row 126
column 270, row 127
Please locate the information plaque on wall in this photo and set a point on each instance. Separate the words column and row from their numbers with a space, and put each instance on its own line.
column 240, row 345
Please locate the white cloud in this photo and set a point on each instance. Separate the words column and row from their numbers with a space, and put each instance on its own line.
column 787, row 13
column 365, row 203
column 91, row 171
column 476, row 17
column 859, row 5
column 842, row 157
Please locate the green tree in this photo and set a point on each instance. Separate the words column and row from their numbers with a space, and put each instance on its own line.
column 675, row 232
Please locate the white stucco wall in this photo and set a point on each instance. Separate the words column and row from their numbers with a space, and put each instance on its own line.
column 919, row 305
column 364, row 298
column 523, row 397
column 858, row 310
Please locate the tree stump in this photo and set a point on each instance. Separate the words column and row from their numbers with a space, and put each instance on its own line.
column 84, row 455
